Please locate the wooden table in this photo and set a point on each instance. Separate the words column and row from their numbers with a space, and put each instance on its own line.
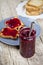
column 9, row 55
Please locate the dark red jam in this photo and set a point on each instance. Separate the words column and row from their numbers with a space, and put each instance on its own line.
column 27, row 44
column 9, row 32
column 12, row 23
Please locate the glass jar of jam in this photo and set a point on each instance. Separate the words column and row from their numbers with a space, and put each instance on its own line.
column 27, row 43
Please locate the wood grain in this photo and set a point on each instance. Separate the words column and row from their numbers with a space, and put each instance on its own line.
column 10, row 55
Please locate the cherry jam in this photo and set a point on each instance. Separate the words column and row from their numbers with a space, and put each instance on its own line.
column 12, row 23
column 9, row 32
column 27, row 44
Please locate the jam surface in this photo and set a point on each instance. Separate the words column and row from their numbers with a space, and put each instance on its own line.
column 12, row 23
column 27, row 44
column 25, row 32
column 9, row 32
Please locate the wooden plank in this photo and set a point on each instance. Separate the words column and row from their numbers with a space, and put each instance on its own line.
column 12, row 4
column 0, row 17
column 5, row 58
column 37, row 59
column 5, row 10
column 16, row 57
column 0, row 13
column 10, row 55
column 40, row 21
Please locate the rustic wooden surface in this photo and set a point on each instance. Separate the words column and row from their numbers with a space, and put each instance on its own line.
column 9, row 55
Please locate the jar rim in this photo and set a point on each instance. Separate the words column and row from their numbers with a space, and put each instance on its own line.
column 25, row 36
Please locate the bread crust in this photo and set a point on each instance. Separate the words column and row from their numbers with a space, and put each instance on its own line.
column 8, row 36
column 18, row 27
column 37, row 3
column 32, row 8
column 32, row 13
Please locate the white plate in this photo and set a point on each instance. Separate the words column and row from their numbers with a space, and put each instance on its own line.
column 21, row 11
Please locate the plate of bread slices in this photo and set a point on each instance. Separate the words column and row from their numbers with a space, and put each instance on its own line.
column 9, row 30
column 32, row 9
column 10, row 27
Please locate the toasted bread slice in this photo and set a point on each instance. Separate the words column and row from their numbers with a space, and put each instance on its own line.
column 14, row 23
column 36, row 2
column 32, row 8
column 33, row 13
column 8, row 33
